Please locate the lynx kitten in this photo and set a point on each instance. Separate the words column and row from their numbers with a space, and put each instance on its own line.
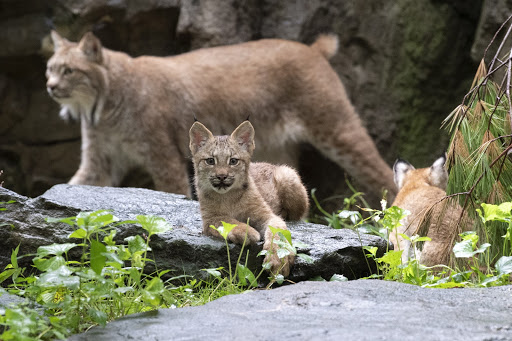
column 421, row 192
column 232, row 189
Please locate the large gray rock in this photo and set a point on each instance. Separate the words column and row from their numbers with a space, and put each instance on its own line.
column 354, row 310
column 184, row 249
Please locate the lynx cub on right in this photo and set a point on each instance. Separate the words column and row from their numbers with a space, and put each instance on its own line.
column 418, row 191
column 232, row 189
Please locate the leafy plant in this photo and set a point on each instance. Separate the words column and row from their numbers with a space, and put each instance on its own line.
column 107, row 282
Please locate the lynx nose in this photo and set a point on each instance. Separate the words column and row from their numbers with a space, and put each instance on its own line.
column 222, row 177
column 51, row 86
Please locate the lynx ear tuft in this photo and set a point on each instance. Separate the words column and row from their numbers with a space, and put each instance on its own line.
column 400, row 168
column 91, row 47
column 199, row 135
column 57, row 40
column 244, row 135
column 438, row 173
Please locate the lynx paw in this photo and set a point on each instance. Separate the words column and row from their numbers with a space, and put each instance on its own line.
column 238, row 235
column 279, row 265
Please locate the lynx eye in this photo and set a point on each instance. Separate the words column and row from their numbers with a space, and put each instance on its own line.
column 68, row 71
column 210, row 161
column 233, row 161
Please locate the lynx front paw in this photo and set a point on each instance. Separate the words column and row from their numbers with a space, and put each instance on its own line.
column 243, row 233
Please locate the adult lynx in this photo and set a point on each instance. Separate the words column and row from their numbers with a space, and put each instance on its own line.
column 420, row 191
column 232, row 189
column 137, row 111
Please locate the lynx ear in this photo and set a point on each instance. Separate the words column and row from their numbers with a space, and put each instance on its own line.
column 438, row 173
column 199, row 135
column 400, row 168
column 57, row 40
column 91, row 47
column 244, row 135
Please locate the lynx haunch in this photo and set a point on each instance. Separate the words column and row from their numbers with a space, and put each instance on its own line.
column 136, row 112
column 232, row 189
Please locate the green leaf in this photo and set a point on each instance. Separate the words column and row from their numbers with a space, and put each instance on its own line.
column 14, row 256
column 262, row 253
column 393, row 216
column 504, row 265
column 134, row 275
column 97, row 316
column 500, row 212
column 54, row 249
column 372, row 250
column 286, row 233
column 404, row 236
column 416, row 239
column 392, row 258
column 279, row 279
column 46, row 264
column 59, row 277
column 152, row 291
column 307, row 258
column 281, row 253
column 300, row 245
column 123, row 290
column 338, row 278
column 354, row 216
column 464, row 249
column 136, row 244
column 69, row 220
column 6, row 274
column 98, row 258
column 213, row 272
column 245, row 276
column 153, row 225
column 79, row 233
column 224, row 229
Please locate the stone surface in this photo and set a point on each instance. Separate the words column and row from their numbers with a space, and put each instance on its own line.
column 184, row 249
column 406, row 65
column 354, row 310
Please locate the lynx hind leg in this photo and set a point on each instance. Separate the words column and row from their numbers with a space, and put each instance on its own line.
column 292, row 193
column 347, row 142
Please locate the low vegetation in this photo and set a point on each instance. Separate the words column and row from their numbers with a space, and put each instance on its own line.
column 110, row 280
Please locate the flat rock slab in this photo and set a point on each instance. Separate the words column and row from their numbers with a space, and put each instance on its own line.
column 354, row 310
column 184, row 249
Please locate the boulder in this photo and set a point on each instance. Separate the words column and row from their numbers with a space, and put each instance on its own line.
column 184, row 249
column 354, row 310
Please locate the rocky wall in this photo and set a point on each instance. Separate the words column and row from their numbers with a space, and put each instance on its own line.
column 406, row 64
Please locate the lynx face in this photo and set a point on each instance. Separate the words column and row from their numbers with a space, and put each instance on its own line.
column 74, row 76
column 222, row 165
column 222, row 162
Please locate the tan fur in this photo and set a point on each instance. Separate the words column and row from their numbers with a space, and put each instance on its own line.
column 232, row 189
column 137, row 111
column 421, row 192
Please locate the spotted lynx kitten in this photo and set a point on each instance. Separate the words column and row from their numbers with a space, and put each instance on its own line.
column 232, row 189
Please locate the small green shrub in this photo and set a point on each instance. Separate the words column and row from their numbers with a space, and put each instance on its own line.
column 107, row 282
